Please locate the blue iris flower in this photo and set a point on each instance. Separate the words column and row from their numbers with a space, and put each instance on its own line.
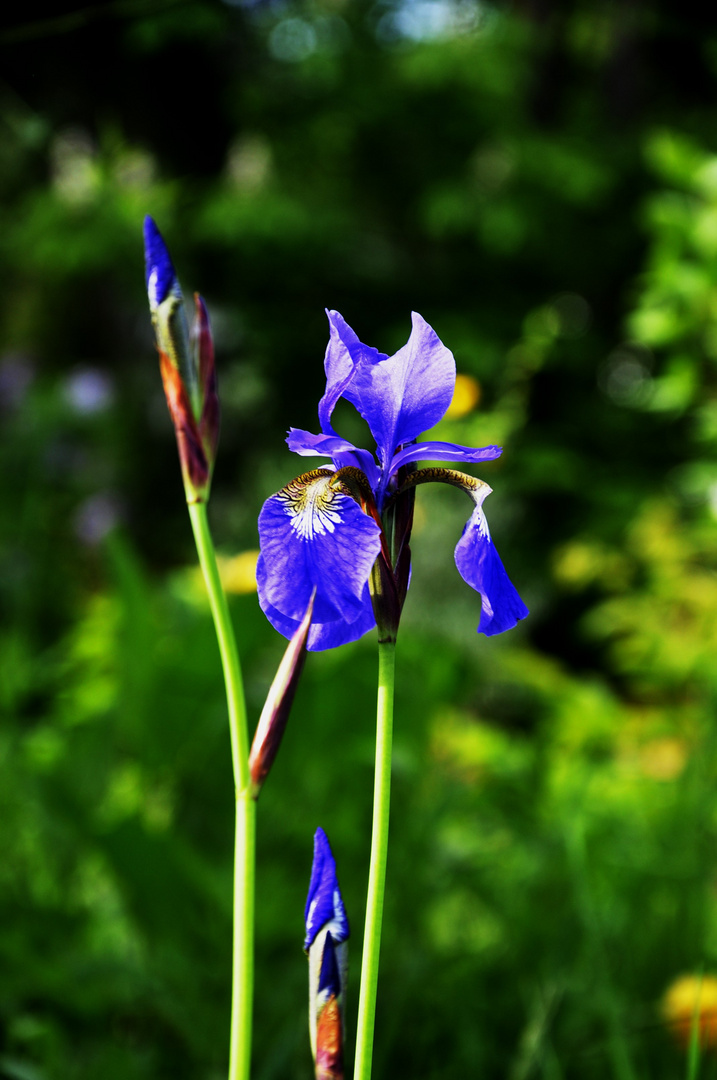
column 344, row 529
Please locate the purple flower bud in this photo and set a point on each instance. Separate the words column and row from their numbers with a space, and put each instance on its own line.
column 187, row 367
column 327, row 931
column 324, row 906
column 161, row 276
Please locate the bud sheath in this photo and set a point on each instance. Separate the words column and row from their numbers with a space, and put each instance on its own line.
column 186, row 366
column 327, row 931
column 275, row 714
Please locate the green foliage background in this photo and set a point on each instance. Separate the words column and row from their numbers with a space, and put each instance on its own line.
column 540, row 182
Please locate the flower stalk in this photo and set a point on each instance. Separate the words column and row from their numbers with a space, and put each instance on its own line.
column 190, row 386
column 342, row 535
column 377, row 868
column 245, row 813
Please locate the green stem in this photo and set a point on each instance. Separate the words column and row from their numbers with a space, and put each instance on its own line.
column 227, row 644
column 244, row 846
column 243, row 947
column 377, row 869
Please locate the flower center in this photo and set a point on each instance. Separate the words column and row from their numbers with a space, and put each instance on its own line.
column 311, row 507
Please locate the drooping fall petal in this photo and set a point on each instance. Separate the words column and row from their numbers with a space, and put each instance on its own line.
column 314, row 537
column 479, row 564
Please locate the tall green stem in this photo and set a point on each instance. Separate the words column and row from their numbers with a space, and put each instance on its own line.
column 377, row 869
column 227, row 644
column 243, row 949
column 244, row 846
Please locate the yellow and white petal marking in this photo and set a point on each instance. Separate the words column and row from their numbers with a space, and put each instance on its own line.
column 312, row 505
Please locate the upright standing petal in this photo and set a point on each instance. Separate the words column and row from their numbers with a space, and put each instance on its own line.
column 344, row 354
column 406, row 394
column 327, row 931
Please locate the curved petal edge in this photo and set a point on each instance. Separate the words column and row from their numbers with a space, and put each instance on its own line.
column 480, row 565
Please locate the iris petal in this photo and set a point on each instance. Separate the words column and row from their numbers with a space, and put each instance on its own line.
column 313, row 536
column 160, row 273
column 406, row 394
column 344, row 353
column 444, row 451
column 341, row 451
column 307, row 444
column 322, row 636
column 324, row 905
column 480, row 565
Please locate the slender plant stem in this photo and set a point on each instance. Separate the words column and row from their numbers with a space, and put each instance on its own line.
column 243, row 948
column 377, row 869
column 244, row 845
column 227, row 645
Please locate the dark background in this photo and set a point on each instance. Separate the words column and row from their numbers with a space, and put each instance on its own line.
column 540, row 182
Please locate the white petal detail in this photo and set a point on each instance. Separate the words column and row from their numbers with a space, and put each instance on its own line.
column 311, row 507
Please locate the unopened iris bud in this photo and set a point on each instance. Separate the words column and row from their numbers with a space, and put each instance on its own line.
column 187, row 367
column 327, row 931
column 274, row 715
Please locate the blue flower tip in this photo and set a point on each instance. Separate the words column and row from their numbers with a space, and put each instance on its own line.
column 324, row 904
column 160, row 271
column 324, row 868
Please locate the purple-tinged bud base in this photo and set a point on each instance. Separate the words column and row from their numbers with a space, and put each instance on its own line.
column 196, row 470
column 275, row 714
column 201, row 336
column 329, row 1042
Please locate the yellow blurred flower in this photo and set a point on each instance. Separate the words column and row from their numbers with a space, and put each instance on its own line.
column 692, row 998
column 465, row 397
column 238, row 572
column 663, row 759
